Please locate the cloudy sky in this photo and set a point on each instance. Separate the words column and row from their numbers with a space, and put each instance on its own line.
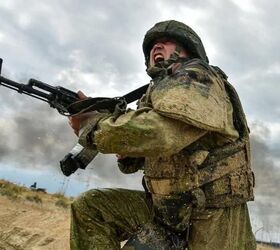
column 95, row 46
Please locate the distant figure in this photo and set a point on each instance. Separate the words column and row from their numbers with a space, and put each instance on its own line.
column 33, row 186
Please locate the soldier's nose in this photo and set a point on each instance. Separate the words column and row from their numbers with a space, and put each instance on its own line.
column 158, row 46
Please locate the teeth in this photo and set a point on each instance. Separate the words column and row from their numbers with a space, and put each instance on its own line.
column 158, row 58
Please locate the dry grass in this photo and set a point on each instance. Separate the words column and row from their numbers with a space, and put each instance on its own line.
column 16, row 192
column 11, row 190
column 34, row 198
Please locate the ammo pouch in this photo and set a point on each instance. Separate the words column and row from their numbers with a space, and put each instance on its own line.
column 233, row 188
column 216, row 183
column 231, row 182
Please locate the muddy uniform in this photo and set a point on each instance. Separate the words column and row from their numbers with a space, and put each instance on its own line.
column 190, row 137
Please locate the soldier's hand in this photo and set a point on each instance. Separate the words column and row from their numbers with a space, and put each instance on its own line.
column 76, row 121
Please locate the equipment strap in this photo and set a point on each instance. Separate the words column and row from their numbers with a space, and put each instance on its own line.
column 135, row 94
column 106, row 103
column 195, row 180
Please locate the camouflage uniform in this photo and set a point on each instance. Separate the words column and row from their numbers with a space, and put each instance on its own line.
column 189, row 135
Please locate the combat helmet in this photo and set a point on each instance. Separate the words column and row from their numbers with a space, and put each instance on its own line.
column 178, row 31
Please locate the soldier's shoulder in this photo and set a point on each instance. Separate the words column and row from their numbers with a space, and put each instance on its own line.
column 195, row 72
column 196, row 63
column 194, row 94
column 196, row 67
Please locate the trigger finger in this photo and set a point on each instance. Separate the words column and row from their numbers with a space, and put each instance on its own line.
column 81, row 95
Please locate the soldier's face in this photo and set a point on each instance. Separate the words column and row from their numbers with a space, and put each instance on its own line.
column 162, row 50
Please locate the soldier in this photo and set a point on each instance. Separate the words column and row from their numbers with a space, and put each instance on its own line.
column 190, row 136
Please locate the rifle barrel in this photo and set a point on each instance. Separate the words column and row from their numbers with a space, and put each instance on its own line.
column 25, row 89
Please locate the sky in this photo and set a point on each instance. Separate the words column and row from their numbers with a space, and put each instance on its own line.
column 96, row 46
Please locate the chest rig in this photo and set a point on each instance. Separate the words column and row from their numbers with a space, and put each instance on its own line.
column 212, row 174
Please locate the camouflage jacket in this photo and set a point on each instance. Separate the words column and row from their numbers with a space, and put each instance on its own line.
column 190, row 133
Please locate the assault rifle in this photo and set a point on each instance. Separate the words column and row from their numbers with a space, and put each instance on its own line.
column 67, row 103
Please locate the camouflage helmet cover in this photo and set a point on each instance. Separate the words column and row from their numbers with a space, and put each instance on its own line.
column 178, row 31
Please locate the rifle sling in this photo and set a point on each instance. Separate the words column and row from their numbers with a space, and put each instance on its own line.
column 135, row 94
column 105, row 103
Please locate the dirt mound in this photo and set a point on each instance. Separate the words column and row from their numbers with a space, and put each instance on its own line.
column 32, row 220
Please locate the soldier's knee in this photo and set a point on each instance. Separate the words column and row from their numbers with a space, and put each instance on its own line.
column 87, row 200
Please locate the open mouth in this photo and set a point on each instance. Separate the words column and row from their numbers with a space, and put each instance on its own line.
column 158, row 58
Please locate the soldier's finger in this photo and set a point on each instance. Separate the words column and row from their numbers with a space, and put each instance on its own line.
column 81, row 95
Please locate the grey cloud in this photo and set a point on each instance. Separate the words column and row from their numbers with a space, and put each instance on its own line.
column 244, row 39
column 261, row 95
column 275, row 150
column 38, row 139
column 267, row 176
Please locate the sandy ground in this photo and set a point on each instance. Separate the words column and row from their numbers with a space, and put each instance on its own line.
column 27, row 225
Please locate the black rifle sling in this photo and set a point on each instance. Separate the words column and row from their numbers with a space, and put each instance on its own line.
column 135, row 94
column 105, row 103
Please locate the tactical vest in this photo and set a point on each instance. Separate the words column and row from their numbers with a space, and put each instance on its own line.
column 213, row 175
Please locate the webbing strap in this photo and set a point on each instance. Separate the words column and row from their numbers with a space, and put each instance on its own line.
column 202, row 177
column 105, row 103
